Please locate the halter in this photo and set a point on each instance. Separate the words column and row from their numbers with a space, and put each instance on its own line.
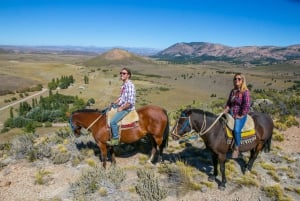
column 72, row 126
column 186, row 123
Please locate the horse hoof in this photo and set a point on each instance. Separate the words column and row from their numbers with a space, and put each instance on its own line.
column 211, row 178
column 222, row 187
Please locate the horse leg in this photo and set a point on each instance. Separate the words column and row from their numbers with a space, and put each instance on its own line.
column 212, row 177
column 222, row 169
column 113, row 157
column 253, row 155
column 153, row 151
column 103, row 149
column 267, row 145
column 160, row 154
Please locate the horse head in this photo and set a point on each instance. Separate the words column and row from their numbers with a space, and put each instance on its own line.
column 75, row 127
column 183, row 124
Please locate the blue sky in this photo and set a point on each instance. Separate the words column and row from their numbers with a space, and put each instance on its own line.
column 152, row 23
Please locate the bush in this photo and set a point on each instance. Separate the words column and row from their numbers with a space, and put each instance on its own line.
column 148, row 186
column 22, row 146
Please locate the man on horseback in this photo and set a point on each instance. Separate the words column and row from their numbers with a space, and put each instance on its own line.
column 124, row 104
column 238, row 105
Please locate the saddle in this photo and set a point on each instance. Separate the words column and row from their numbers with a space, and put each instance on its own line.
column 248, row 131
column 129, row 121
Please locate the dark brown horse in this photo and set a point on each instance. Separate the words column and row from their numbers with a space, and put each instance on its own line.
column 212, row 130
column 153, row 121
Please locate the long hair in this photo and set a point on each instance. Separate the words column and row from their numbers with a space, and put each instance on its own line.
column 244, row 83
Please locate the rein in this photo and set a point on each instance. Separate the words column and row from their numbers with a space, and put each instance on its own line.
column 94, row 122
column 203, row 129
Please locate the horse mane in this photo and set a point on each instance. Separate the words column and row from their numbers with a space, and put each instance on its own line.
column 200, row 111
column 87, row 110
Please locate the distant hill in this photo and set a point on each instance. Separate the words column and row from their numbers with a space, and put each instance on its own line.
column 117, row 57
column 4, row 51
column 196, row 52
column 74, row 50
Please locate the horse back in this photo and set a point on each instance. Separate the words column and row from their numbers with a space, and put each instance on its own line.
column 152, row 112
column 263, row 125
column 152, row 118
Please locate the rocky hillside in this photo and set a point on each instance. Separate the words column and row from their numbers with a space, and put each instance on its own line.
column 202, row 51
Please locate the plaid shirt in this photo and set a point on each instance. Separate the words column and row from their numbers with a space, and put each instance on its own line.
column 127, row 95
column 239, row 102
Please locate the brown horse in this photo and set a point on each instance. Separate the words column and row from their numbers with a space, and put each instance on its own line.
column 153, row 121
column 211, row 128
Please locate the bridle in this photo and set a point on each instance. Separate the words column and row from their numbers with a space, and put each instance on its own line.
column 187, row 122
column 75, row 127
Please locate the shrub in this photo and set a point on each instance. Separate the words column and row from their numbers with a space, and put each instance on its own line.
column 60, row 155
column 116, row 176
column 22, row 145
column 276, row 192
column 42, row 177
column 148, row 186
column 89, row 182
column 278, row 136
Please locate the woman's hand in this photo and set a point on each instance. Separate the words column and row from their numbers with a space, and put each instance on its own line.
column 226, row 110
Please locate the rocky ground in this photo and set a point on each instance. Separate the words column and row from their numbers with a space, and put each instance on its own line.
column 17, row 177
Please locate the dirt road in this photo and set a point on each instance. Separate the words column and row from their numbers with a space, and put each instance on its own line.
column 24, row 99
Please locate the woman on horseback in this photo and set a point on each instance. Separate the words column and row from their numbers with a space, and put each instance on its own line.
column 238, row 105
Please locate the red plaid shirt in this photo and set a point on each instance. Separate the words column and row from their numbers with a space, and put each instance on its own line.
column 238, row 102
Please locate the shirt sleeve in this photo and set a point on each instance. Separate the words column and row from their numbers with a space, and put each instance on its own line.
column 246, row 103
column 229, row 99
column 129, row 94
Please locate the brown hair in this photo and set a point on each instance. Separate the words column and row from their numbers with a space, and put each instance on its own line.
column 128, row 71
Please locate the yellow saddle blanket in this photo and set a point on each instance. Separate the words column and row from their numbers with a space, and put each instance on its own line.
column 245, row 134
column 249, row 125
column 130, row 118
column 248, row 131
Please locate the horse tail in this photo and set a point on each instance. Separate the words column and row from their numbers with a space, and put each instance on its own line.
column 267, row 145
column 166, row 132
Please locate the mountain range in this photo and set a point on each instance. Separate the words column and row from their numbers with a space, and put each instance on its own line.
column 201, row 51
column 193, row 52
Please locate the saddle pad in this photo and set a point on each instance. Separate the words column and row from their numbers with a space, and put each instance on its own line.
column 244, row 134
column 249, row 125
column 130, row 118
column 247, row 137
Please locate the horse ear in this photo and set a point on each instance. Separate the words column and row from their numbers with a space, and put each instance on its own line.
column 188, row 110
column 68, row 114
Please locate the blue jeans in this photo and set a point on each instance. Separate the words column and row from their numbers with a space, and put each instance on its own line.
column 114, row 122
column 238, row 125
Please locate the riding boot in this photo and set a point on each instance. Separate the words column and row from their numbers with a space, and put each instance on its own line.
column 235, row 153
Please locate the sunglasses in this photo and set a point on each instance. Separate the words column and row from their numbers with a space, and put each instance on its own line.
column 123, row 73
column 237, row 78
